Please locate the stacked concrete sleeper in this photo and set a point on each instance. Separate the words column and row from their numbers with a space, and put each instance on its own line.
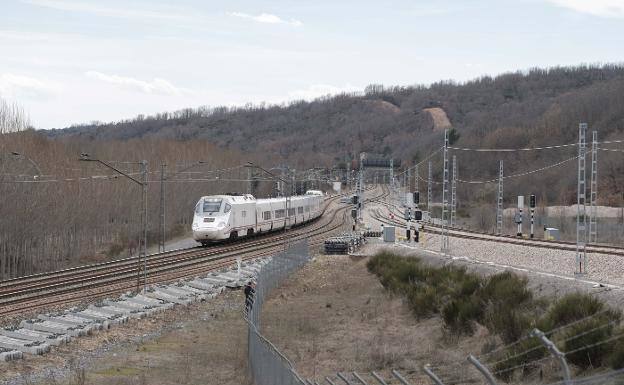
column 37, row 336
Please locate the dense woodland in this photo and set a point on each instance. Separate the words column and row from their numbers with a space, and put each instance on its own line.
column 58, row 211
column 536, row 107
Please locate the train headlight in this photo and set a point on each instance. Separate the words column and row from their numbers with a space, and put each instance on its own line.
column 221, row 225
column 195, row 226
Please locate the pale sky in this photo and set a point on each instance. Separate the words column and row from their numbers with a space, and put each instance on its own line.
column 74, row 61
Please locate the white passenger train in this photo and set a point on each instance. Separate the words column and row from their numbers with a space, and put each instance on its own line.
column 219, row 217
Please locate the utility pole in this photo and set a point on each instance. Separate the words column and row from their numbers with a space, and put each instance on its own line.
column 454, row 193
column 499, row 200
column 392, row 174
column 349, row 174
column 143, row 243
column 444, row 246
column 593, row 195
column 361, row 187
column 143, row 211
column 249, row 182
column 429, row 201
column 161, row 225
column 581, row 219
column 532, row 203
column 417, row 176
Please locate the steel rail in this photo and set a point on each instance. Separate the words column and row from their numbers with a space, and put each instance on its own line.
column 163, row 269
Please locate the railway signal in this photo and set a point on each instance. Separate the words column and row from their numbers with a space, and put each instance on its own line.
column 518, row 218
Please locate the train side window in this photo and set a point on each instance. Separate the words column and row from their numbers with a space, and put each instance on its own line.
column 227, row 208
column 243, row 213
column 266, row 215
column 307, row 209
column 198, row 208
column 300, row 210
column 291, row 212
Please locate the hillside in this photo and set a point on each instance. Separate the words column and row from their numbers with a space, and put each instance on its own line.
column 540, row 106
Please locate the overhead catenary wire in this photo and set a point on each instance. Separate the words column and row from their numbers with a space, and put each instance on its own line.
column 431, row 155
column 525, row 173
column 513, row 149
column 610, row 149
column 56, row 179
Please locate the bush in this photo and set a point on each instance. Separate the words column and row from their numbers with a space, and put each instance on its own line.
column 616, row 358
column 115, row 249
column 507, row 301
column 572, row 307
column 586, row 334
column 508, row 321
column 599, row 326
column 460, row 314
column 506, row 287
column 423, row 301
column 523, row 353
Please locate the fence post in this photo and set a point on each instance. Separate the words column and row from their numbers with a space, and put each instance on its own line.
column 343, row 378
column 359, row 378
column 378, row 378
column 432, row 375
column 400, row 377
column 556, row 353
column 267, row 365
column 481, row 368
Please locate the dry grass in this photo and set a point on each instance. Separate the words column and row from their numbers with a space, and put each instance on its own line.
column 334, row 316
column 200, row 344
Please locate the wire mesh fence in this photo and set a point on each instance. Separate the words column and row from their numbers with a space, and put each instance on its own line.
column 267, row 365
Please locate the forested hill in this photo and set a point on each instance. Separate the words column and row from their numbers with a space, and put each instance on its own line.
column 541, row 106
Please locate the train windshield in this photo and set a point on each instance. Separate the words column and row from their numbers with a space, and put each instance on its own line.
column 212, row 205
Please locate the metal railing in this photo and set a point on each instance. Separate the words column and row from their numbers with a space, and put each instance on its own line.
column 267, row 365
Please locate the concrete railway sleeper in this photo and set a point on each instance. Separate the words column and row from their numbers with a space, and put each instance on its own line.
column 475, row 235
column 16, row 287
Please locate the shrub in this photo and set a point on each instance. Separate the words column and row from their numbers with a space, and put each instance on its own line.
column 599, row 326
column 506, row 287
column 115, row 249
column 572, row 307
column 616, row 358
column 460, row 314
column 588, row 333
column 508, row 321
column 423, row 301
column 523, row 353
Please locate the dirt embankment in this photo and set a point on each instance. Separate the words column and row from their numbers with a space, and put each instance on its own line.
column 439, row 118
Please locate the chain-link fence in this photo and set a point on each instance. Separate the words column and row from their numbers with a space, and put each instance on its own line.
column 267, row 365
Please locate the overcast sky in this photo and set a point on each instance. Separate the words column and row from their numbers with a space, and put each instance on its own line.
column 73, row 61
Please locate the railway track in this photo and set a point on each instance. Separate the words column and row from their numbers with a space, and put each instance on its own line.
column 475, row 235
column 100, row 280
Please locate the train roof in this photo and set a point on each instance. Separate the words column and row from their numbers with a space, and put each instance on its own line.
column 243, row 198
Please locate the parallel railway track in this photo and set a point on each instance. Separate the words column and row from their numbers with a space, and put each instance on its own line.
column 475, row 235
column 91, row 282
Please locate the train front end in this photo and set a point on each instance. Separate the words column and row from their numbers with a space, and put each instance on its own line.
column 211, row 221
